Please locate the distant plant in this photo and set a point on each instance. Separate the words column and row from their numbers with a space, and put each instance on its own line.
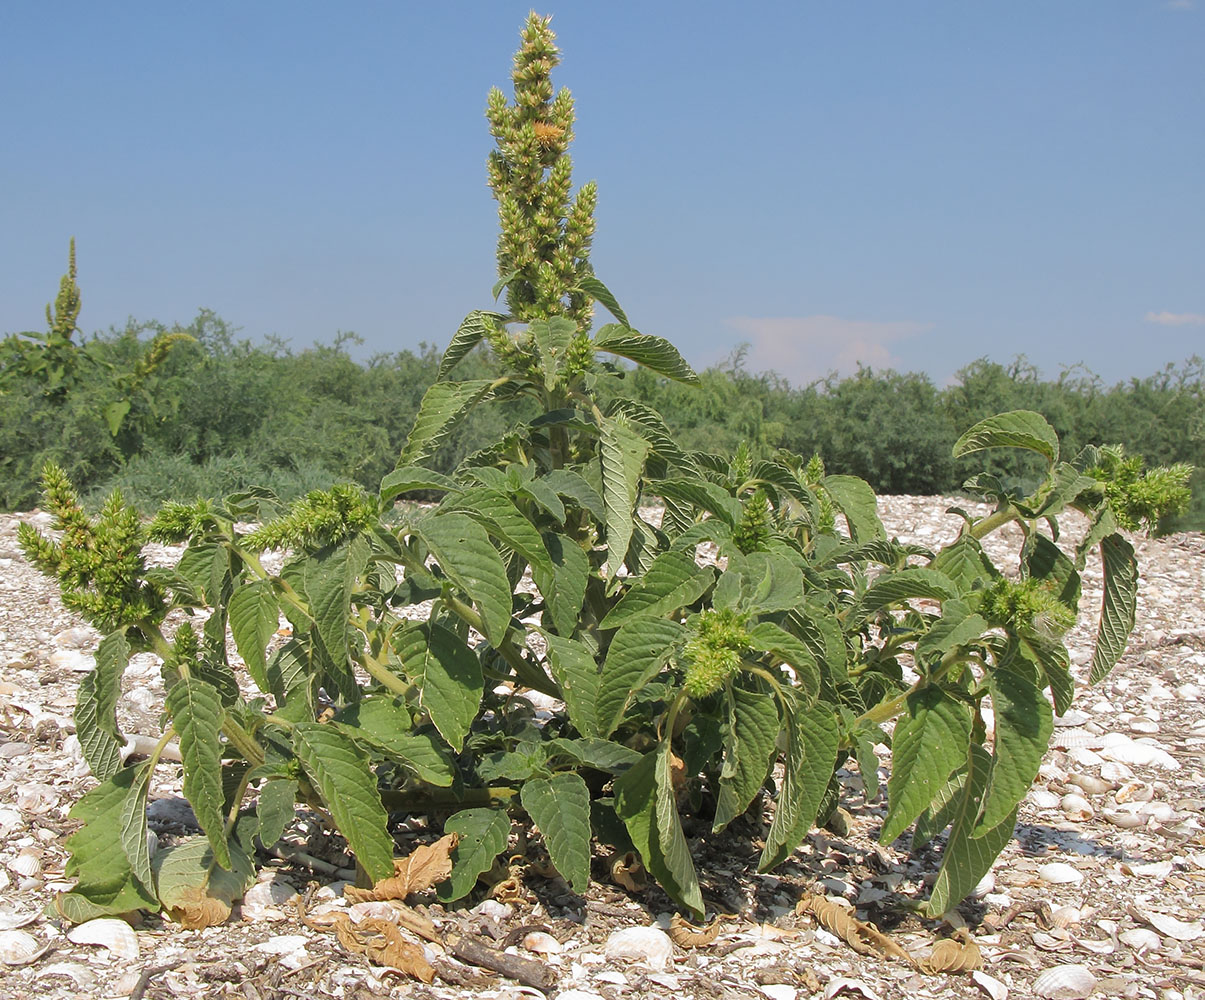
column 679, row 684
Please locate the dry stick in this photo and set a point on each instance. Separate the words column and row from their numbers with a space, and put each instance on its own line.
column 149, row 973
column 522, row 970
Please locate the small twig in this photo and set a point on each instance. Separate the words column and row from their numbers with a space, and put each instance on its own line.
column 149, row 973
column 522, row 970
column 312, row 863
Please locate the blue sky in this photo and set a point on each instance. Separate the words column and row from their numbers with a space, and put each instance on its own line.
column 909, row 185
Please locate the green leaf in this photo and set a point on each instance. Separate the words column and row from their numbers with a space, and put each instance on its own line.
column 636, row 655
column 598, row 754
column 813, row 735
column 100, row 750
column 466, row 554
column 1118, row 607
column 1024, row 723
column 914, row 581
column 771, row 583
column 930, row 741
column 622, row 452
column 650, row 425
column 820, row 629
column 495, row 512
column 940, row 812
column 560, row 807
column 553, row 337
column 112, row 658
column 501, row 284
column 955, row 628
column 600, row 293
column 447, row 674
column 644, row 800
column 543, row 495
column 856, row 500
column 106, row 882
column 1066, row 485
column 1015, row 429
column 382, row 724
column 205, row 565
column 1046, row 561
column 475, row 326
column 404, row 480
column 289, row 673
column 576, row 672
column 766, row 637
column 655, row 353
column 673, row 581
column 275, row 809
column 254, row 618
column 483, row 835
column 197, row 715
column 115, row 414
column 564, row 589
column 340, row 772
column 1055, row 663
column 966, row 564
column 972, row 848
column 567, row 483
column 133, row 825
column 703, row 495
column 753, row 727
column 443, row 406
column 330, row 577
column 193, row 887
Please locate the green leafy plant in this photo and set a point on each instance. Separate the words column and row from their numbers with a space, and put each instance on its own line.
column 414, row 633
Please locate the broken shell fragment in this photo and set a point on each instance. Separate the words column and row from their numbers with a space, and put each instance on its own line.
column 20, row 948
column 1140, row 939
column 1077, row 807
column 541, row 943
column 1065, row 982
column 115, row 935
column 1091, row 784
column 1060, row 873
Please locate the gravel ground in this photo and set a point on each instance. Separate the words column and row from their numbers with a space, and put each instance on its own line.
column 1100, row 892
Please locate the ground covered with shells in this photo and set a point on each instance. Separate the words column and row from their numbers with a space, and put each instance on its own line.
column 1100, row 892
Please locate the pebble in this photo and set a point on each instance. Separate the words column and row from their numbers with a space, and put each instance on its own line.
column 650, row 946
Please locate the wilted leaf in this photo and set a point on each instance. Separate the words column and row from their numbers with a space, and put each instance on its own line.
column 383, row 943
column 425, row 866
column 864, row 938
column 953, row 954
column 685, row 935
column 627, row 871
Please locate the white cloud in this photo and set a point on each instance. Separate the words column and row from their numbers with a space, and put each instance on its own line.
column 1180, row 4
column 805, row 348
column 1175, row 319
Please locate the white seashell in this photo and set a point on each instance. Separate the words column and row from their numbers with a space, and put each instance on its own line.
column 83, row 978
column 76, row 638
column 649, row 945
column 1134, row 791
column 1173, row 928
column 1097, row 947
column 493, row 909
column 984, row 886
column 73, row 660
column 10, row 819
column 1052, row 942
column 261, row 901
column 541, row 943
column 1113, row 771
column 1043, row 798
column 372, row 909
column 1065, row 982
column 1067, row 739
column 1140, row 939
column 849, row 987
column 1156, row 869
column 1060, row 873
column 1119, row 747
column 283, row 944
column 1124, row 819
column 1065, row 916
column 36, row 797
column 11, row 920
column 20, row 948
column 1083, row 757
column 990, row 985
column 1147, row 726
column 777, row 991
column 27, row 863
column 1077, row 807
column 107, row 932
column 1091, row 784
column 1073, row 718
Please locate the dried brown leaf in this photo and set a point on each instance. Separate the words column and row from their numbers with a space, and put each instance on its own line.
column 384, row 945
column 864, row 938
column 952, row 954
column 509, row 890
column 627, row 871
column 687, row 936
column 424, row 867
column 194, row 908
